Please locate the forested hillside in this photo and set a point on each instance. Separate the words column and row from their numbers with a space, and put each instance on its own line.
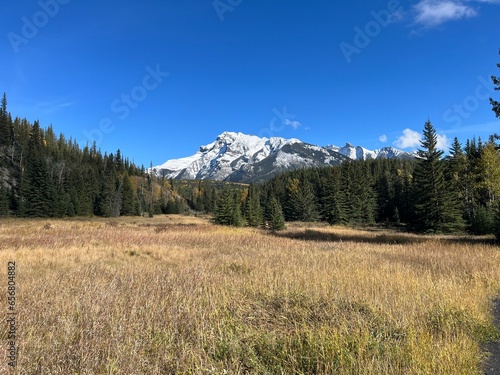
column 44, row 175
column 432, row 193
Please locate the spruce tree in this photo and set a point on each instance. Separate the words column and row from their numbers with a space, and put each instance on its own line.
column 38, row 190
column 496, row 223
column 346, row 187
column 302, row 200
column 334, row 202
column 274, row 215
column 237, row 218
column 228, row 209
column 437, row 209
column 4, row 200
column 386, row 202
column 253, row 211
column 495, row 104
column 5, row 126
column 128, row 197
column 363, row 202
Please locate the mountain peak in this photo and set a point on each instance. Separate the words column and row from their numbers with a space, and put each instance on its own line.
column 239, row 157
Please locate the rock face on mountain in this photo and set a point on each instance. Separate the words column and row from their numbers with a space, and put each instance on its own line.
column 239, row 157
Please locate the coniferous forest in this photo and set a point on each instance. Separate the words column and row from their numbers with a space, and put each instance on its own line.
column 45, row 175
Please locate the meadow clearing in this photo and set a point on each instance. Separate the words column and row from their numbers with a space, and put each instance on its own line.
column 177, row 295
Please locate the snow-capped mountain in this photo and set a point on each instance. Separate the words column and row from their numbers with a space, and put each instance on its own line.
column 361, row 153
column 239, row 157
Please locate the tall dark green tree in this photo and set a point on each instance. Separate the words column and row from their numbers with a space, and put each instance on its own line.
column 128, row 197
column 496, row 222
column 5, row 126
column 495, row 104
column 38, row 190
column 253, row 211
column 334, row 201
column 437, row 207
column 362, row 195
column 228, row 209
column 302, row 200
column 274, row 215
column 346, row 185
column 386, row 201
column 4, row 200
column 456, row 173
column 237, row 219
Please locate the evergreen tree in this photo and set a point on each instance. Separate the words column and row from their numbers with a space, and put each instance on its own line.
column 274, row 215
column 346, row 176
column 436, row 209
column 496, row 222
column 253, row 211
column 302, row 200
column 4, row 200
column 403, row 186
column 128, row 197
column 228, row 210
column 495, row 104
column 38, row 190
column 362, row 194
column 237, row 218
column 5, row 126
column 334, row 202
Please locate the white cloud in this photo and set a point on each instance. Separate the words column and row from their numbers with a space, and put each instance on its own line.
column 443, row 143
column 409, row 139
column 294, row 124
column 430, row 13
column 52, row 106
column 382, row 138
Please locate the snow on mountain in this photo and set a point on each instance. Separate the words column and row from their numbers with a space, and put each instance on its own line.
column 245, row 158
column 361, row 153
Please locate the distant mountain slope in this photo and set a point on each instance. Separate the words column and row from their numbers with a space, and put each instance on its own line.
column 239, row 157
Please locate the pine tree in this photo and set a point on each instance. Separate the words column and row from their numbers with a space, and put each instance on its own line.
column 346, row 187
column 496, row 222
column 38, row 194
column 4, row 201
column 495, row 104
column 228, row 209
column 5, row 126
column 437, row 210
column 274, row 215
column 253, row 211
column 334, row 202
column 403, row 187
column 237, row 218
column 128, row 197
column 302, row 200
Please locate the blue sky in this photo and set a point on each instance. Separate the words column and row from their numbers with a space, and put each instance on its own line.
column 159, row 78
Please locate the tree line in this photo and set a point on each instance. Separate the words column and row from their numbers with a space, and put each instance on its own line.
column 47, row 176
column 42, row 175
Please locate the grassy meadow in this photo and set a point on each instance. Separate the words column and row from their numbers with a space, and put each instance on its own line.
column 177, row 295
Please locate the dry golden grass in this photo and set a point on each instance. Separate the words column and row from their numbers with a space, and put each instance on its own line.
column 176, row 295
